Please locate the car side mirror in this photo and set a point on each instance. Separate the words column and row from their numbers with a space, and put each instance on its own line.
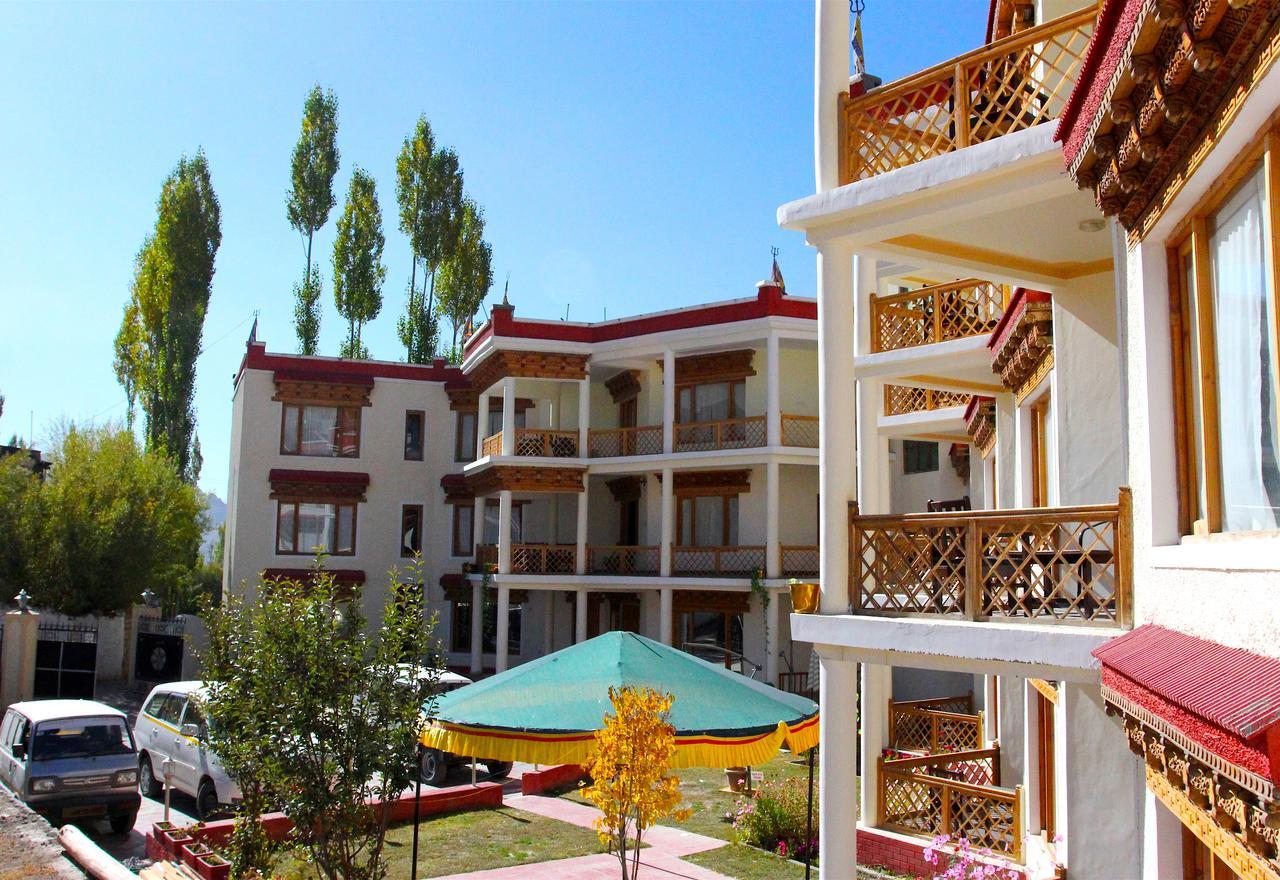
column 191, row 730
column 20, row 751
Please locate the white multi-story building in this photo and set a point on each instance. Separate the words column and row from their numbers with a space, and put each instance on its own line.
column 974, row 293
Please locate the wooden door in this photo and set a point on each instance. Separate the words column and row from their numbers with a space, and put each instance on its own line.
column 1045, row 769
column 629, row 523
column 1040, row 453
column 627, row 413
column 1201, row 863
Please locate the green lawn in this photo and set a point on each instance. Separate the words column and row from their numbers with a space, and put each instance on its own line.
column 748, row 863
column 474, row 841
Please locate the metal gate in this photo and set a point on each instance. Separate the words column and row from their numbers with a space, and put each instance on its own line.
column 66, row 660
column 158, row 654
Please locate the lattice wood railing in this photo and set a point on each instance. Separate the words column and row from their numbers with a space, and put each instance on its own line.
column 902, row 399
column 800, row 431
column 615, row 442
column 917, row 728
column 938, row 313
column 931, row 797
column 717, row 561
column 546, row 443
column 543, row 558
column 800, row 560
column 1049, row 565
column 1006, row 86
column 624, row 560
column 492, row 445
column 744, row 433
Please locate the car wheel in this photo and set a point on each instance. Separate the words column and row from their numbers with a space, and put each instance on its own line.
column 498, row 769
column 207, row 805
column 434, row 768
column 147, row 782
column 123, row 824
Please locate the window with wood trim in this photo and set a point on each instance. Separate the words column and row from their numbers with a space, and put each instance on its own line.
column 492, row 511
column 707, row 520
column 919, row 457
column 304, row 528
column 464, row 442
column 324, row 431
column 1040, row 452
column 714, row 636
column 463, row 530
column 1224, row 331
column 412, row 521
column 711, row 402
column 415, row 424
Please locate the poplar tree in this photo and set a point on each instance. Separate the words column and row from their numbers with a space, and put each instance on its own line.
column 159, row 338
column 315, row 162
column 467, row 273
column 357, row 261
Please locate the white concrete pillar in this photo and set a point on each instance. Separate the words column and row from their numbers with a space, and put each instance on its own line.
column 584, row 415
column 580, row 562
column 877, row 691
column 830, row 77
column 504, row 531
column 482, row 423
column 21, row 632
column 508, row 416
column 874, row 468
column 773, row 392
column 477, row 628
column 1161, row 840
column 771, row 640
column 666, row 615
column 838, row 771
column 580, row 616
column 836, row 420
column 1022, row 474
column 668, row 521
column 504, row 622
column 772, row 527
column 477, row 523
column 668, row 401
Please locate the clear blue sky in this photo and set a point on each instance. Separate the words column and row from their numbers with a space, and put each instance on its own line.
column 629, row 157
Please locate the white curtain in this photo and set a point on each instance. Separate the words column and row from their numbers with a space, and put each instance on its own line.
column 1245, row 348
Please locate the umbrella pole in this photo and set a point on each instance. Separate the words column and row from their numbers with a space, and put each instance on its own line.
column 417, row 801
column 808, row 823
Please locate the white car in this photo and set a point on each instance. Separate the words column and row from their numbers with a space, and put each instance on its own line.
column 172, row 727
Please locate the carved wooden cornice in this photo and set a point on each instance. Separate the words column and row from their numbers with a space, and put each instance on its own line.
column 527, row 365
column 720, row 366
column 1186, row 61
column 624, row 386
column 520, row 478
column 321, row 389
column 1023, row 349
column 980, row 423
column 729, row 602
column 467, row 399
column 458, row 589
column 711, row 482
column 321, row 487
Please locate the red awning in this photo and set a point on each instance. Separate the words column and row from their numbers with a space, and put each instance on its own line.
column 335, row 478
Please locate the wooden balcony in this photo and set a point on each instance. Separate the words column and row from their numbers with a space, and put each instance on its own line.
column 1069, row 565
column 625, row 561
column 744, row 433
column 934, row 314
column 1010, row 85
column 956, row 794
column 492, row 445
column 738, row 561
column 799, row 560
column 621, row 442
column 800, row 431
column 943, row 724
column 546, row 443
column 900, row 400
column 532, row 558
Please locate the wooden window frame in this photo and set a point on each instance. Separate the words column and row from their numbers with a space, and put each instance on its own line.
column 461, row 451
column 692, row 388
column 1046, row 763
column 422, row 524
column 466, row 547
column 724, row 497
column 1191, row 240
column 299, row 408
column 1040, row 451
column 422, row 434
column 937, row 457
column 336, row 503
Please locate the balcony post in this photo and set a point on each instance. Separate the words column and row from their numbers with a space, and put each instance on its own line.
column 668, row 401
column 477, row 627
column 584, row 415
column 508, row 416
column 504, row 531
column 666, row 615
column 773, row 404
column 836, row 424
column 580, row 616
column 772, row 551
column 838, row 770
column 668, row 521
column 877, row 692
column 504, row 621
column 580, row 560
column 831, row 77
column 482, row 423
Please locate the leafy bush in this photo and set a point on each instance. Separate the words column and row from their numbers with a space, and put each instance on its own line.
column 775, row 818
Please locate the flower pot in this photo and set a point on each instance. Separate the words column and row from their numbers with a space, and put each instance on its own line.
column 213, row 867
column 737, row 777
column 172, row 839
column 804, row 597
column 190, row 852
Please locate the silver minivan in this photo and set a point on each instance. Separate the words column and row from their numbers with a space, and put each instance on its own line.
column 71, row 759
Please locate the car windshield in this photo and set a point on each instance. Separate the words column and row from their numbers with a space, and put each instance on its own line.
column 81, row 738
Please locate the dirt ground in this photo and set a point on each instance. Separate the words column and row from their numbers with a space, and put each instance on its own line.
column 28, row 846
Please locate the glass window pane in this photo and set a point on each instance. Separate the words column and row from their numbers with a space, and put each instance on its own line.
column 713, row 402
column 739, row 400
column 319, row 426
column 466, row 437
column 348, row 434
column 491, row 522
column 733, row 521
column 410, row 530
column 284, row 527
column 1245, row 348
column 686, row 405
column 1193, row 379
column 463, row 514
column 289, row 442
column 686, row 522
column 709, row 515
column 315, row 528
column 413, row 436
column 346, row 537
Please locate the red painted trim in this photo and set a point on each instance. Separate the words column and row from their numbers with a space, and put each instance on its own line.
column 769, row 302
column 1017, row 305
column 301, row 374
column 1106, row 49
column 339, row 370
column 536, row 782
column 335, row 478
column 341, row 575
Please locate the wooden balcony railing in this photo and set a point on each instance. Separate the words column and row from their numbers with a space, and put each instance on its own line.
column 492, row 445
column 800, row 560
column 486, row 554
column 615, row 442
column 800, row 431
column 744, row 433
column 717, row 561
column 924, row 728
column 902, row 399
column 543, row 558
column 1007, row 86
column 936, row 314
column 1043, row 565
column 630, row 561
column 932, row 796
column 794, row 683
column 546, row 443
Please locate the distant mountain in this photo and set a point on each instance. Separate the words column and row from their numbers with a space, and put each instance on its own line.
column 217, row 510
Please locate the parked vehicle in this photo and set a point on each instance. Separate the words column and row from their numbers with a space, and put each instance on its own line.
column 171, row 726
column 71, row 759
column 434, row 764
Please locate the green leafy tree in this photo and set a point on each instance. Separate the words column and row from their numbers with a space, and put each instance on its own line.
column 159, row 337
column 311, row 706
column 429, row 193
column 315, row 162
column 110, row 521
column 467, row 274
column 357, row 261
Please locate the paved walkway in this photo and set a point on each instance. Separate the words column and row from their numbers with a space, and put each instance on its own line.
column 661, row 860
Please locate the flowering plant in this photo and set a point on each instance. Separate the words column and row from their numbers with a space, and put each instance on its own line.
column 957, row 859
column 775, row 819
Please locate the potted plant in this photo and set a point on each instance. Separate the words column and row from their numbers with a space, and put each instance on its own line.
column 804, row 597
column 172, row 839
column 212, row 866
column 737, row 777
column 190, row 851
